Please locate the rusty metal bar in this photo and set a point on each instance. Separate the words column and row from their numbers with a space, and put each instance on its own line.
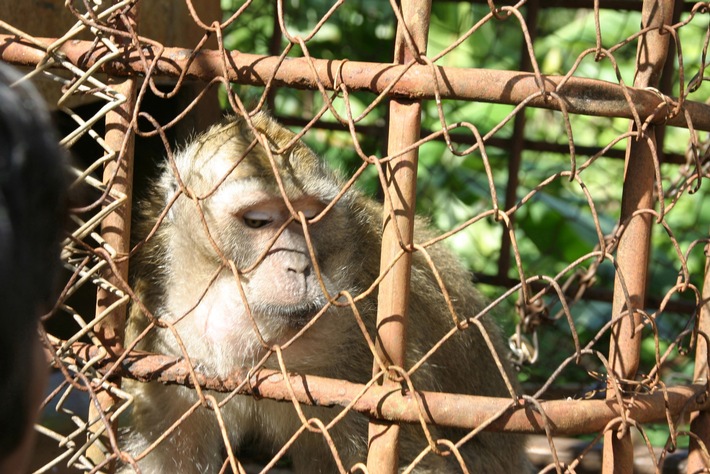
column 667, row 80
column 628, row 5
column 274, row 50
column 116, row 232
column 116, row 227
column 593, row 293
column 517, row 145
column 498, row 142
column 580, row 95
column 698, row 459
column 634, row 244
column 565, row 417
column 398, row 233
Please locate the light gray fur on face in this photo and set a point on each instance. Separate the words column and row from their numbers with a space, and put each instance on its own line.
column 231, row 217
column 243, row 210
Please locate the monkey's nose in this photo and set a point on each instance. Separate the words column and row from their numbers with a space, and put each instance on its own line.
column 298, row 263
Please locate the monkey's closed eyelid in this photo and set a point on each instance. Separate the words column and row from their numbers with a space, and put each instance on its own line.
column 256, row 219
column 311, row 209
column 310, row 213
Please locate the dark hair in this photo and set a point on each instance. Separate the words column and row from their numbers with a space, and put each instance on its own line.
column 33, row 183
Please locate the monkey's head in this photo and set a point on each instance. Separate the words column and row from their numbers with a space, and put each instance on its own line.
column 235, row 240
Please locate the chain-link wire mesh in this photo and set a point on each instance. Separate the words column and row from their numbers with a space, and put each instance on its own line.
column 561, row 153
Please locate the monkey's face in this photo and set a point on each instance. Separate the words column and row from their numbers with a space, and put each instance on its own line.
column 264, row 254
column 284, row 279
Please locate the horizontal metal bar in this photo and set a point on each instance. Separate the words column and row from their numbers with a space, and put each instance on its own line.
column 629, row 5
column 579, row 95
column 564, row 417
column 494, row 141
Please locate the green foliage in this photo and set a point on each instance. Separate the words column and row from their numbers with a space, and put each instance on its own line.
column 495, row 45
column 573, row 32
column 361, row 31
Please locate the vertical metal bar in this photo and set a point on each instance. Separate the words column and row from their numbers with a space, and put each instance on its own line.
column 393, row 294
column 274, row 50
column 700, row 421
column 516, row 147
column 668, row 81
column 116, row 231
column 634, row 244
column 116, row 227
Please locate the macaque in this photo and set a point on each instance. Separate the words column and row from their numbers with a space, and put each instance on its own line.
column 230, row 227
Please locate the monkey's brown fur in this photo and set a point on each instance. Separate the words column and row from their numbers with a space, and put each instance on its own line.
column 174, row 277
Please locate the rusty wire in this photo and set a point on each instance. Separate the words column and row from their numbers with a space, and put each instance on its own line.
column 105, row 40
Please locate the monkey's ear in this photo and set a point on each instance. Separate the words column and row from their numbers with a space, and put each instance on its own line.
column 169, row 188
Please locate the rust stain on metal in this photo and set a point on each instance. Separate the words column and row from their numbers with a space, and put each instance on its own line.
column 397, row 234
column 564, row 417
column 580, row 95
column 635, row 242
column 700, row 421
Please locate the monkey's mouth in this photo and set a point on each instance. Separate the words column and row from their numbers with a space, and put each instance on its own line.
column 295, row 317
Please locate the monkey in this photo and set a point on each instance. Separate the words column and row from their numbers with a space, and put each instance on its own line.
column 231, row 268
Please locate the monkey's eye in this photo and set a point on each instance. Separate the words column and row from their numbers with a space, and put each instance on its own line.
column 257, row 219
column 310, row 213
column 312, row 209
